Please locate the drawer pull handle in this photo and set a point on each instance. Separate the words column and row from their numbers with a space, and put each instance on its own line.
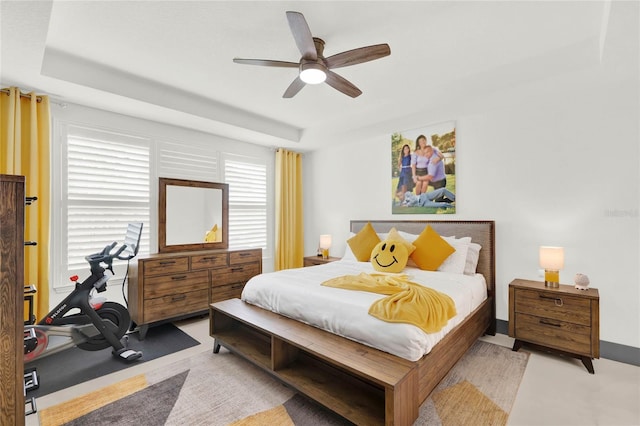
column 545, row 322
column 178, row 277
column 558, row 301
column 237, row 269
column 167, row 262
column 206, row 259
column 245, row 254
column 237, row 286
column 178, row 297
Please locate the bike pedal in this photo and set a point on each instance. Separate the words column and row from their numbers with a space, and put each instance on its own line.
column 127, row 355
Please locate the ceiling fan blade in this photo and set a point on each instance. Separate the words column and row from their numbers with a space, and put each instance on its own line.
column 295, row 86
column 266, row 63
column 342, row 85
column 302, row 35
column 358, row 56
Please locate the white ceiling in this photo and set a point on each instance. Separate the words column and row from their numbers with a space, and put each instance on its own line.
column 171, row 61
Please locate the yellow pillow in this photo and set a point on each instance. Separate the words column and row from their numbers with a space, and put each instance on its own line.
column 431, row 250
column 363, row 243
column 394, row 235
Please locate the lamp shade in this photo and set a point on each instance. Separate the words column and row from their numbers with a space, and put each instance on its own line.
column 312, row 73
column 551, row 258
column 325, row 241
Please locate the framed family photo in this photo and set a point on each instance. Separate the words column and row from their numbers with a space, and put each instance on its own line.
column 423, row 170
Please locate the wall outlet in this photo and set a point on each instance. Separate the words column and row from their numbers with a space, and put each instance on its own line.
column 540, row 273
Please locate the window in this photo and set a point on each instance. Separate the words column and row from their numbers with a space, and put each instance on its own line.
column 104, row 186
column 247, row 179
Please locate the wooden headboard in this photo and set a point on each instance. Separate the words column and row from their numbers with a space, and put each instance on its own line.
column 480, row 231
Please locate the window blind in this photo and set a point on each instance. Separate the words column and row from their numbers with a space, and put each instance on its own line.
column 247, row 181
column 107, row 187
column 188, row 161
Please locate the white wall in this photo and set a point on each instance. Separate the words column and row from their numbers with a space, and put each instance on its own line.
column 553, row 162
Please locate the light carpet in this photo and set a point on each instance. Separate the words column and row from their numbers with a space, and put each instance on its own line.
column 223, row 389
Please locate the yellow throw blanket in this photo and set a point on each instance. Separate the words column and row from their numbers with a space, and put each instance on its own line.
column 407, row 302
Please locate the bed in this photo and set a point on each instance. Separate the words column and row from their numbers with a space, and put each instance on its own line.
column 361, row 383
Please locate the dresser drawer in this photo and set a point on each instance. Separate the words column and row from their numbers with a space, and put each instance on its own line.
column 244, row 256
column 175, row 305
column 236, row 274
column 225, row 292
column 208, row 261
column 553, row 333
column 554, row 306
column 166, row 266
column 166, row 285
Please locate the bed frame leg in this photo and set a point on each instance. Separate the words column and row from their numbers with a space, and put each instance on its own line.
column 216, row 346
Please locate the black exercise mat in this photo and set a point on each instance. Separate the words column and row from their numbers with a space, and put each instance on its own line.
column 73, row 366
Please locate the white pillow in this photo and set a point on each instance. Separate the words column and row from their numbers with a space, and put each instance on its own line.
column 456, row 261
column 473, row 254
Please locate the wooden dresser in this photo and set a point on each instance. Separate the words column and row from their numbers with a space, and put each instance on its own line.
column 177, row 285
column 564, row 319
column 12, row 407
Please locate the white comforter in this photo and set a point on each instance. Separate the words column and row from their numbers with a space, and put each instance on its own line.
column 297, row 293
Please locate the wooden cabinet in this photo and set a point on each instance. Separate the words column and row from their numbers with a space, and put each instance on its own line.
column 318, row 260
column 12, row 408
column 564, row 319
column 177, row 285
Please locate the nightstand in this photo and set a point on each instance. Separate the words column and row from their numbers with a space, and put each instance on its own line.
column 318, row 260
column 564, row 319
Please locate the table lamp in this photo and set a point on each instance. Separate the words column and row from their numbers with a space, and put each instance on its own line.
column 325, row 245
column 551, row 260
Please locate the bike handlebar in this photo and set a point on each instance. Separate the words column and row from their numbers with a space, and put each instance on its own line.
column 105, row 256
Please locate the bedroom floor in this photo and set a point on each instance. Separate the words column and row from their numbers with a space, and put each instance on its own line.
column 554, row 390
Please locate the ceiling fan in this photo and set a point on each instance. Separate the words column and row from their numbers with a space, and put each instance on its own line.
column 314, row 67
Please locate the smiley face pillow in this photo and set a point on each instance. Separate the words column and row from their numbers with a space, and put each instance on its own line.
column 392, row 254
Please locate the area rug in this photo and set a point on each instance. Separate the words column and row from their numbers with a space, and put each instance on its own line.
column 73, row 366
column 223, row 389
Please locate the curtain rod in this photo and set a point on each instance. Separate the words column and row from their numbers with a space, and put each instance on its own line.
column 22, row 95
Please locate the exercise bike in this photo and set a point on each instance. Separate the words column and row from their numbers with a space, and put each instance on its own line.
column 99, row 324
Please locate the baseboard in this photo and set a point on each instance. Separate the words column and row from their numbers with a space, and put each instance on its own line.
column 608, row 350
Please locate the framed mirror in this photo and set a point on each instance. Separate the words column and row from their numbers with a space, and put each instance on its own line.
column 192, row 215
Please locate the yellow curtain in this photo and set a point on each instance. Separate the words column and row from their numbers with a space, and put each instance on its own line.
column 289, row 225
column 24, row 150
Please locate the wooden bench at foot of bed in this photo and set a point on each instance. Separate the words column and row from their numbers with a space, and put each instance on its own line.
column 336, row 372
column 362, row 384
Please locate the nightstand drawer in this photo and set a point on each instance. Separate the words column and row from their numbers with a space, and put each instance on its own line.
column 554, row 333
column 554, row 306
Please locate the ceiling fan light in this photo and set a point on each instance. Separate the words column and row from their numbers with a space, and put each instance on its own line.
column 312, row 73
